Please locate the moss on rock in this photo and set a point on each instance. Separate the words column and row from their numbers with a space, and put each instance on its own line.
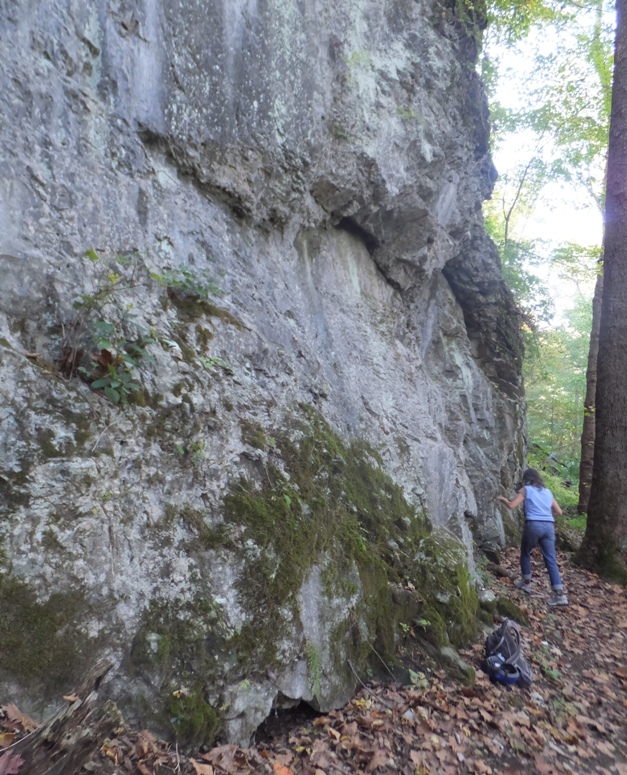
column 507, row 608
column 193, row 720
column 312, row 507
column 321, row 498
column 441, row 574
column 180, row 649
column 320, row 502
column 193, row 307
column 41, row 643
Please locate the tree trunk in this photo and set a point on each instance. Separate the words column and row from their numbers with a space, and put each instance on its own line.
column 604, row 548
column 589, row 418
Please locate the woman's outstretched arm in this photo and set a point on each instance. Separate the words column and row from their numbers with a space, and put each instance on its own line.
column 520, row 497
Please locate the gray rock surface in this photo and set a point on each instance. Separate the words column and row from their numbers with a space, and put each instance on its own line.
column 323, row 163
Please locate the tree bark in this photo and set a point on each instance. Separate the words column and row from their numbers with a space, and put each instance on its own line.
column 604, row 548
column 588, row 431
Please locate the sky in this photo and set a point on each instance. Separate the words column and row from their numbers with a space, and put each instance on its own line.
column 563, row 212
column 565, row 215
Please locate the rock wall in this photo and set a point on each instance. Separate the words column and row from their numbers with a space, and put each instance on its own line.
column 240, row 238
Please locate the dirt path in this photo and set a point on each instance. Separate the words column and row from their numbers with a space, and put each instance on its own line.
column 572, row 720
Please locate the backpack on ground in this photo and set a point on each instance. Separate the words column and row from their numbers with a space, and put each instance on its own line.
column 504, row 661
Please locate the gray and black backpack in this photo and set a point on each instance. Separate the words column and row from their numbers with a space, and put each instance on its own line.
column 504, row 661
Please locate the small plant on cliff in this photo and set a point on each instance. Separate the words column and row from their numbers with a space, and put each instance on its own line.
column 213, row 362
column 113, row 367
column 406, row 113
column 103, row 343
column 193, row 283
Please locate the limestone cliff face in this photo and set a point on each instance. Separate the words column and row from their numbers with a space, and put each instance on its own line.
column 295, row 187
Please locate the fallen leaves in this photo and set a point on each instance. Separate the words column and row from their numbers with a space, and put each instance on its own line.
column 201, row 769
column 16, row 720
column 281, row 769
column 10, row 764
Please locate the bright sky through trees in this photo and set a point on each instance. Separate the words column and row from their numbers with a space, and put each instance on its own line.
column 547, row 65
column 549, row 106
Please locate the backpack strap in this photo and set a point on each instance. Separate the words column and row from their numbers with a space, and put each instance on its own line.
column 495, row 649
column 511, row 627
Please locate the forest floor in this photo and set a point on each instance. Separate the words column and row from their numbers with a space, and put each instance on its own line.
column 573, row 719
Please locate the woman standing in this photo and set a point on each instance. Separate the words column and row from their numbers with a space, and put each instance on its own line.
column 540, row 506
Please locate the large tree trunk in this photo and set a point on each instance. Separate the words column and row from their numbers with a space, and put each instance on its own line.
column 604, row 547
column 589, row 415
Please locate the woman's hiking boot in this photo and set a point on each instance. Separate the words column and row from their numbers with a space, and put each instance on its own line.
column 524, row 585
column 559, row 598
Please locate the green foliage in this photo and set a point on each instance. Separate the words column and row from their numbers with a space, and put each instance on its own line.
column 212, row 362
column 519, row 258
column 104, row 344
column 191, row 282
column 577, row 522
column 559, row 476
column 555, row 378
column 559, row 125
column 113, row 368
column 117, row 384
column 513, row 21
column 562, row 122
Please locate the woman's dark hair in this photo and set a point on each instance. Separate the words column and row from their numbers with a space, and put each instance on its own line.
column 532, row 477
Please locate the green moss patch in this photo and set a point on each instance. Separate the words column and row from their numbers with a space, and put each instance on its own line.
column 205, row 536
column 321, row 501
column 440, row 573
column 191, row 308
column 180, row 647
column 254, row 435
column 46, row 439
column 193, row 720
column 41, row 643
column 508, row 609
